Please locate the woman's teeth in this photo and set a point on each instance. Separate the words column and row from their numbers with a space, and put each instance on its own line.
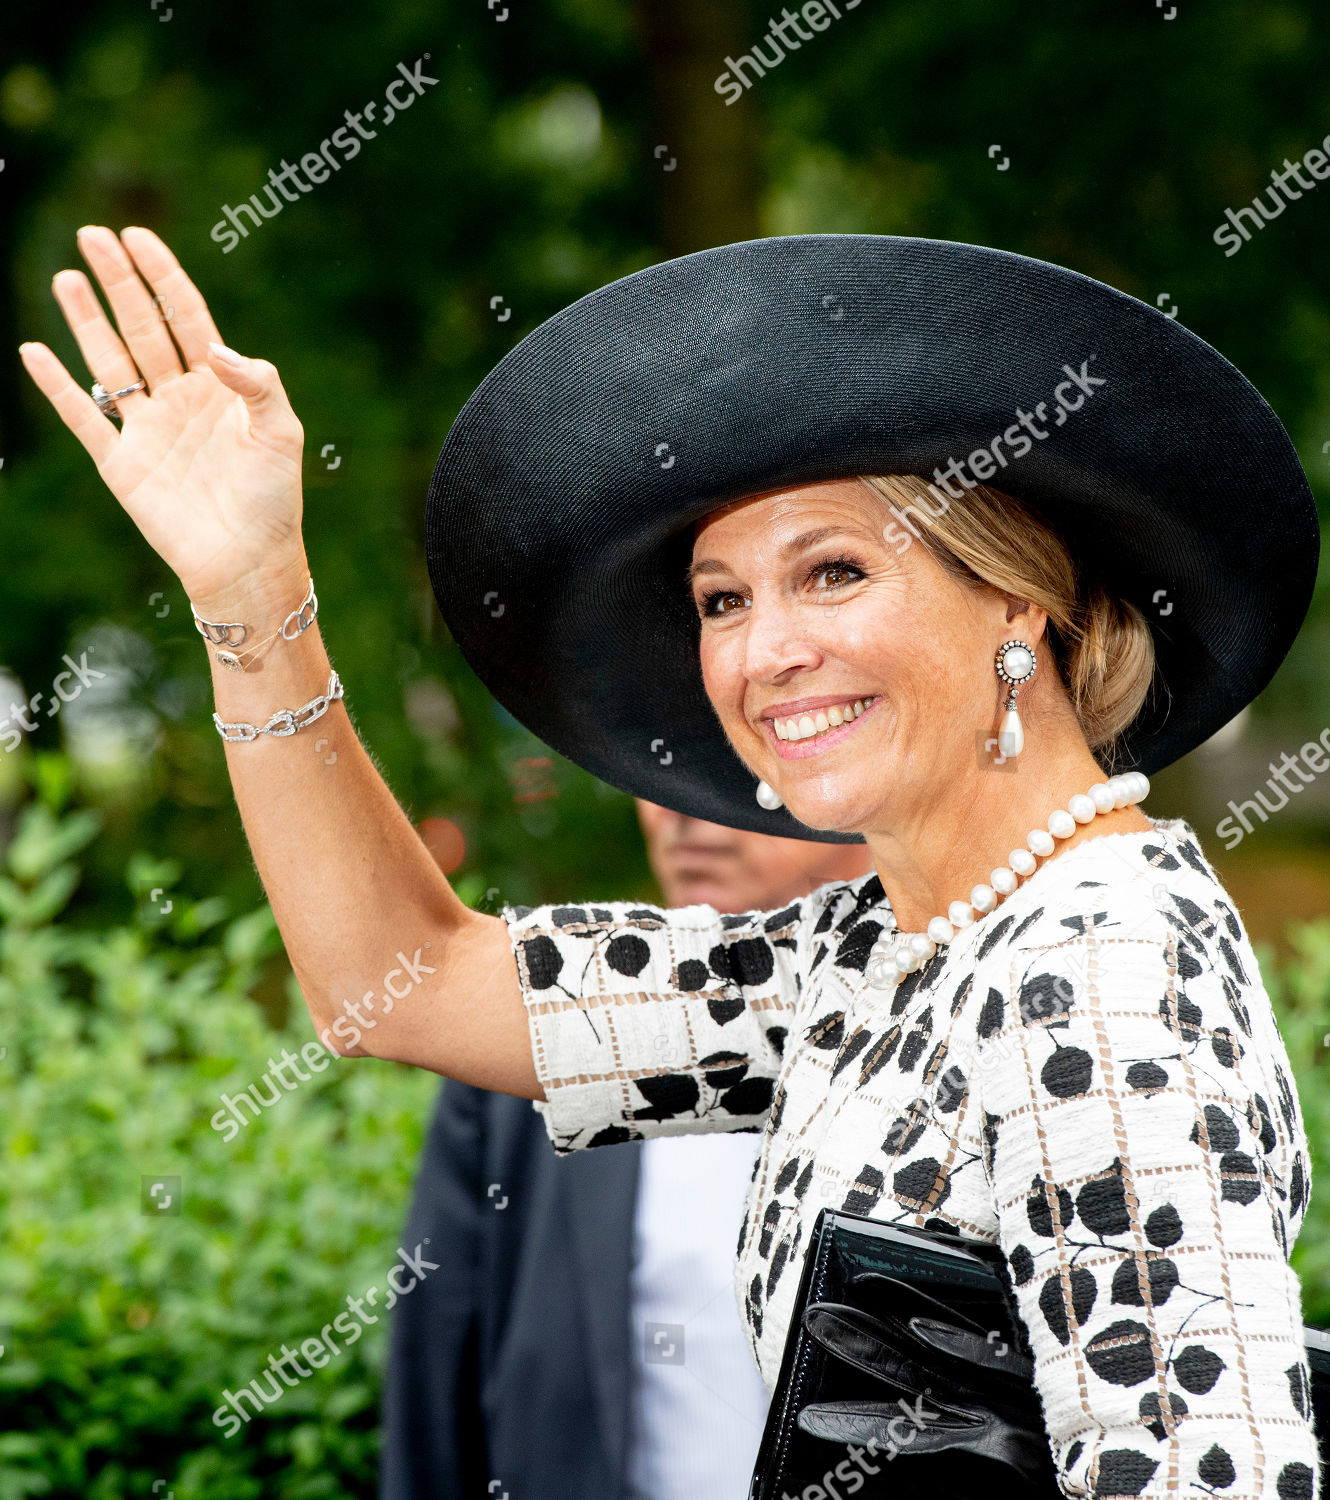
column 807, row 726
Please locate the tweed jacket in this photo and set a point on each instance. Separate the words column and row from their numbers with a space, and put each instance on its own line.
column 1090, row 1076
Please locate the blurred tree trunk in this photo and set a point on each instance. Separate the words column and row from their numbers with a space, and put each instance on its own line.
column 30, row 160
column 711, row 194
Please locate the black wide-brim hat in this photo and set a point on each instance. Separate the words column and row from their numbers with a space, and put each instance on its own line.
column 558, row 525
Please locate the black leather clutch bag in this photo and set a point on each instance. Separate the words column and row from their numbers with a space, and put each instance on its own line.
column 906, row 1346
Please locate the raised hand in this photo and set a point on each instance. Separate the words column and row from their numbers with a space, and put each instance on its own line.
column 208, row 461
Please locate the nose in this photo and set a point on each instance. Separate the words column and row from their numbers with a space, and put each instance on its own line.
column 776, row 643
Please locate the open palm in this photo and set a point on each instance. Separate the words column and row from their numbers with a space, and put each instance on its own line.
column 208, row 461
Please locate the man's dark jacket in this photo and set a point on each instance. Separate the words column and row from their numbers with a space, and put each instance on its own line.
column 510, row 1368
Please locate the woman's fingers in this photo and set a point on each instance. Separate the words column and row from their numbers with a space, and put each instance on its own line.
column 102, row 348
column 259, row 386
column 190, row 320
column 74, row 406
column 140, row 323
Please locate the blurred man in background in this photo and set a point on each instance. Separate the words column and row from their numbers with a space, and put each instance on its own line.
column 631, row 1378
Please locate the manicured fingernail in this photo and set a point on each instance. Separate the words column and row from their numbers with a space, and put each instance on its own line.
column 226, row 354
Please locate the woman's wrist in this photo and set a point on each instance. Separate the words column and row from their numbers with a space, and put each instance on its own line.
column 261, row 600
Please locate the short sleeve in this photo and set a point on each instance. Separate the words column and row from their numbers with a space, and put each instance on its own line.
column 1148, row 1186
column 648, row 1021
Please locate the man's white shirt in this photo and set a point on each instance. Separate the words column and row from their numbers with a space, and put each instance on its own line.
column 699, row 1404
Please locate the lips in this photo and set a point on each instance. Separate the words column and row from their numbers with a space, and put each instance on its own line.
column 805, row 728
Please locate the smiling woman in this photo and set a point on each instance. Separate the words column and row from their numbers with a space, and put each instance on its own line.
column 802, row 587
column 1137, row 1150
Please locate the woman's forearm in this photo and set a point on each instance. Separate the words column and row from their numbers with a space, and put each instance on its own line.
column 206, row 460
column 391, row 963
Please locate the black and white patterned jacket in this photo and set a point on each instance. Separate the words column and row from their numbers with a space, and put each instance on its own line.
column 1090, row 1076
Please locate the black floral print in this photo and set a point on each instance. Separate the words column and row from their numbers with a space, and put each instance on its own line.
column 1090, row 1077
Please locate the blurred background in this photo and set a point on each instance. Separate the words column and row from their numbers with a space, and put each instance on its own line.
column 564, row 144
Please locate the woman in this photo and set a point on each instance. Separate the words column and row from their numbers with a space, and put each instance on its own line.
column 1039, row 1023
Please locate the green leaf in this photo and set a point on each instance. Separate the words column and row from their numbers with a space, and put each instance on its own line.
column 43, row 840
column 52, row 776
column 49, row 898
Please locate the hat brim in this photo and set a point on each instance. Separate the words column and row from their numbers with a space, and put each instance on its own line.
column 559, row 516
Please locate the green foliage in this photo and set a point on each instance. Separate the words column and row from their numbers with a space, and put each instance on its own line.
column 529, row 172
column 1300, row 990
column 121, row 1327
column 526, row 172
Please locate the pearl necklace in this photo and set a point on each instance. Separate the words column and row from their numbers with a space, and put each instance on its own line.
column 897, row 954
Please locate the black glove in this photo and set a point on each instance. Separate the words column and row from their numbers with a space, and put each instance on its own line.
column 949, row 1386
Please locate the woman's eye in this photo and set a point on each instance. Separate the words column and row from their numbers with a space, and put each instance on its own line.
column 837, row 574
column 722, row 604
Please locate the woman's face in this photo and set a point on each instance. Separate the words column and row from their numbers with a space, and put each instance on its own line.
column 819, row 612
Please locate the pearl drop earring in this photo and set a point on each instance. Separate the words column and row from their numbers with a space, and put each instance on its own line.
column 769, row 797
column 1015, row 665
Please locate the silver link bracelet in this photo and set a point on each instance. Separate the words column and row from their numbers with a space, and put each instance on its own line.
column 285, row 721
column 224, row 633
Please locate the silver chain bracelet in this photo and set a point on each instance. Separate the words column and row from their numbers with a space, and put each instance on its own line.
column 224, row 633
column 285, row 721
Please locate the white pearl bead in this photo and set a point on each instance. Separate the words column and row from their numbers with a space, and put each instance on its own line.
column 941, row 931
column 896, row 954
column 1017, row 661
column 1101, row 794
column 768, row 797
column 1061, row 824
column 1082, row 808
column 1011, row 734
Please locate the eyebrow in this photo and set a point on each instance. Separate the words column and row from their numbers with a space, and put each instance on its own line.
column 795, row 545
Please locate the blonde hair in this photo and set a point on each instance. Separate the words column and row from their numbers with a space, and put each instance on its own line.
column 1100, row 643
